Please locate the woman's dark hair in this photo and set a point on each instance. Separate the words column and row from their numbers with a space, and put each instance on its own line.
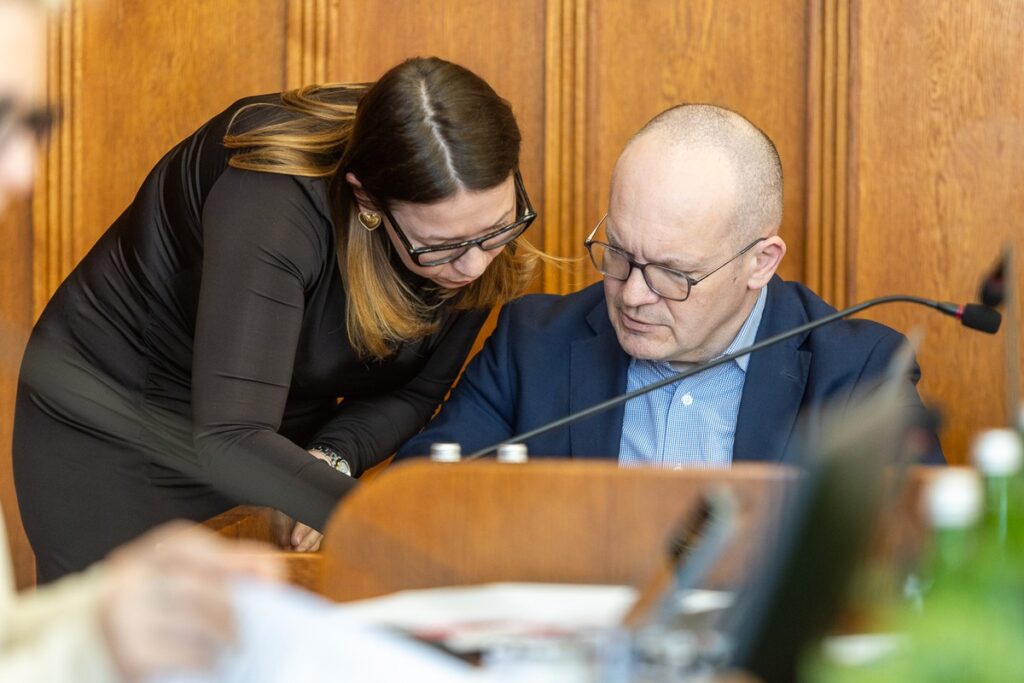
column 429, row 128
column 423, row 132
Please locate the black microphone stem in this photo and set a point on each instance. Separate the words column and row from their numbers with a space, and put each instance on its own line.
column 671, row 379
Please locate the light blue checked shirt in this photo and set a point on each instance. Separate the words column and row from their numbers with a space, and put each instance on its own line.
column 690, row 423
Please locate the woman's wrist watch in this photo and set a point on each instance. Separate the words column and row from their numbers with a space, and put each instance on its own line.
column 331, row 457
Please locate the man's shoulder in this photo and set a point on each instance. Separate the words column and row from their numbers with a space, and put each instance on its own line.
column 555, row 313
column 795, row 304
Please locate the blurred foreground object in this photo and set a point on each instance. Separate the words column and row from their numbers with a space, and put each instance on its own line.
column 969, row 624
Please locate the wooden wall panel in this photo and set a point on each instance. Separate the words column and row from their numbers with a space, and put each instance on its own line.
column 171, row 66
column 15, row 323
column 936, row 177
column 644, row 57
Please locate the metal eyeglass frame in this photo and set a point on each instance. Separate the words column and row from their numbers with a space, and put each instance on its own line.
column 642, row 267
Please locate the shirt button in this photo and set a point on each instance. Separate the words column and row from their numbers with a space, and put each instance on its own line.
column 687, row 399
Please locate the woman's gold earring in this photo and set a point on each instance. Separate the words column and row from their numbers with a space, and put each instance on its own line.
column 370, row 221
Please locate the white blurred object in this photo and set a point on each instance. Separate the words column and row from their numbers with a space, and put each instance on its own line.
column 530, row 632
column 953, row 499
column 288, row 635
column 468, row 618
column 512, row 453
column 997, row 452
column 445, row 452
column 474, row 618
column 862, row 649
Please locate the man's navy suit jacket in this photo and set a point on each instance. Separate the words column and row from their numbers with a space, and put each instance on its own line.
column 553, row 355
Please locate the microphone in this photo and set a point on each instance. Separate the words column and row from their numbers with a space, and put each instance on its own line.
column 973, row 316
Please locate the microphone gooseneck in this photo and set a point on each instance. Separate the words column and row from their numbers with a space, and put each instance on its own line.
column 974, row 316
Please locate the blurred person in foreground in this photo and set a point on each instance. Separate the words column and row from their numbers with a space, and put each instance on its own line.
column 158, row 605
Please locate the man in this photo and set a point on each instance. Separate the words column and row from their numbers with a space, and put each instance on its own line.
column 160, row 604
column 688, row 250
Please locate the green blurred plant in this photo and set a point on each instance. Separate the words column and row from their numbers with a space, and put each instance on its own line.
column 968, row 626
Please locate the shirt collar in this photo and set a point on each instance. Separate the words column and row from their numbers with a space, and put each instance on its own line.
column 748, row 333
column 745, row 337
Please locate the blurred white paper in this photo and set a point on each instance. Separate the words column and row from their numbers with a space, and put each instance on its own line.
column 564, row 606
column 288, row 635
column 471, row 618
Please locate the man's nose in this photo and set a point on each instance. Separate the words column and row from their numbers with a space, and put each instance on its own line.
column 635, row 291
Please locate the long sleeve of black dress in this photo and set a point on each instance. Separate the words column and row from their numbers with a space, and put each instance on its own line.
column 266, row 246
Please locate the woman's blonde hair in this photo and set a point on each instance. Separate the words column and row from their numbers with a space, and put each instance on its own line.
column 427, row 129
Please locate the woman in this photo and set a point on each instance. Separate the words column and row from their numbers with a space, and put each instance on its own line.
column 328, row 243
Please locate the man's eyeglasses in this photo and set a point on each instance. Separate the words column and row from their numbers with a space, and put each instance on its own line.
column 446, row 253
column 666, row 282
column 36, row 120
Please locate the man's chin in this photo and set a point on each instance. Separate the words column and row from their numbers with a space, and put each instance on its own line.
column 637, row 346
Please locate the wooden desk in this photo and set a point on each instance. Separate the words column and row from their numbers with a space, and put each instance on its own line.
column 421, row 524
column 251, row 522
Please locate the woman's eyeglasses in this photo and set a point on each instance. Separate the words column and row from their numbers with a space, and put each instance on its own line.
column 440, row 254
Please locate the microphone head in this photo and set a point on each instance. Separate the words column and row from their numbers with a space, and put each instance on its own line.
column 981, row 318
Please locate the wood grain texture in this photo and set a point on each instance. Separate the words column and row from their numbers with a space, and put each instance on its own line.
column 16, row 317
column 751, row 57
column 422, row 524
column 171, row 67
column 565, row 176
column 825, row 248
column 309, row 24
column 937, row 166
column 252, row 523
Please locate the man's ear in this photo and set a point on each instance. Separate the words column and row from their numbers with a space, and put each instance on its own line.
column 362, row 199
column 767, row 257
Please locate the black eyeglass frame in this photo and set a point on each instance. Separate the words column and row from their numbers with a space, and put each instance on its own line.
column 38, row 121
column 691, row 282
column 514, row 230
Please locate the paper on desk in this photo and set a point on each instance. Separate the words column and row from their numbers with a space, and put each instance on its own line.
column 561, row 606
column 469, row 619
column 289, row 635
column 472, row 618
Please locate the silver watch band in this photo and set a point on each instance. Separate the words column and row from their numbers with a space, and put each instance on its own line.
column 334, row 458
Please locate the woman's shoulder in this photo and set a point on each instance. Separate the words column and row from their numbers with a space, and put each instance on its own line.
column 278, row 195
column 279, row 192
column 276, row 212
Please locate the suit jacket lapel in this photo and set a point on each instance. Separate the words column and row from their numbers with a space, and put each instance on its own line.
column 776, row 380
column 597, row 372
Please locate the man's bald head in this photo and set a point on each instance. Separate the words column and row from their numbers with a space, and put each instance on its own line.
column 754, row 161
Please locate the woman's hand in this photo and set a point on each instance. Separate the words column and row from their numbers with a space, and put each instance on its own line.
column 166, row 603
column 292, row 535
column 305, row 539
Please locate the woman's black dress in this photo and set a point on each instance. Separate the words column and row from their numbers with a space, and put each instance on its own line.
column 193, row 355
